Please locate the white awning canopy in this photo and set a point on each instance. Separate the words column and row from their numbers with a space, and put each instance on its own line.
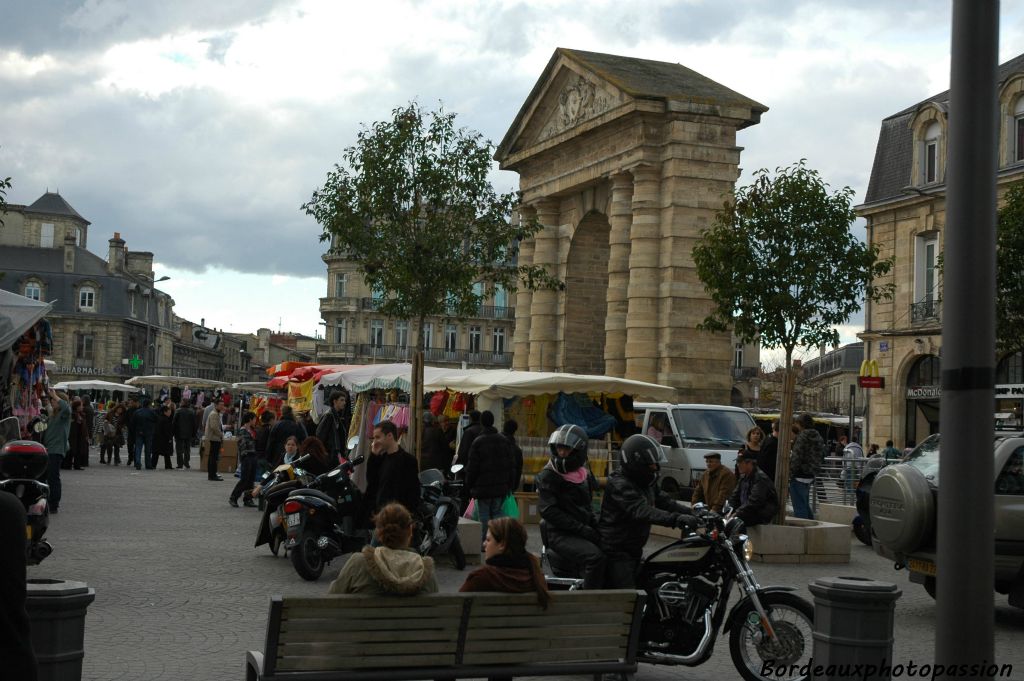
column 178, row 381
column 96, row 385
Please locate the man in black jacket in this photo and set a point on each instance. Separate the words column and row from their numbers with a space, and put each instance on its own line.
column 329, row 430
column 392, row 473
column 143, row 422
column 770, row 452
column 183, row 423
column 469, row 433
column 282, row 430
column 435, row 452
column 754, row 500
column 632, row 503
column 490, row 472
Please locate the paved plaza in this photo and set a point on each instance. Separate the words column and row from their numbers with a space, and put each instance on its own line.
column 181, row 593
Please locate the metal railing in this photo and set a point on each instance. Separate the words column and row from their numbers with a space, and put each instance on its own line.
column 837, row 481
column 925, row 311
column 744, row 373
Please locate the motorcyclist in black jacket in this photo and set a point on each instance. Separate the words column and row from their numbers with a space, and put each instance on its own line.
column 632, row 503
column 564, row 496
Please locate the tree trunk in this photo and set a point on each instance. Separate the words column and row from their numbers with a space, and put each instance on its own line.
column 416, row 396
column 785, row 438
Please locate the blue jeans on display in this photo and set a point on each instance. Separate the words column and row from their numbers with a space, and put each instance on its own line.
column 143, row 444
column 800, row 494
column 486, row 509
column 53, row 479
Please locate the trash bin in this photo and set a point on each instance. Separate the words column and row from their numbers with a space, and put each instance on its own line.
column 56, row 610
column 853, row 625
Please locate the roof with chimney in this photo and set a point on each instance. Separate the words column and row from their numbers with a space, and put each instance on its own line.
column 894, row 155
column 52, row 203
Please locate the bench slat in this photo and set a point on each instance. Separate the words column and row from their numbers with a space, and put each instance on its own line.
column 369, row 612
column 546, row 632
column 340, row 626
column 541, row 656
column 341, row 662
column 382, row 649
column 557, row 620
column 615, row 645
column 601, row 598
column 498, row 610
column 364, row 636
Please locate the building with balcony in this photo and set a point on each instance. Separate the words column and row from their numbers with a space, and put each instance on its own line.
column 905, row 210
column 357, row 333
column 827, row 380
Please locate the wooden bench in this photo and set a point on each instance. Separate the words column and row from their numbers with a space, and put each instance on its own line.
column 374, row 638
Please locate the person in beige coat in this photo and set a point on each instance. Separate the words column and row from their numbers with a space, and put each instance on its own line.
column 392, row 569
column 716, row 484
column 213, row 433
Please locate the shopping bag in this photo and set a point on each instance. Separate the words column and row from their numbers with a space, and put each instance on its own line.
column 471, row 510
column 510, row 507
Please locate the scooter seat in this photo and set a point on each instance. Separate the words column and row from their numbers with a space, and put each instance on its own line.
column 308, row 492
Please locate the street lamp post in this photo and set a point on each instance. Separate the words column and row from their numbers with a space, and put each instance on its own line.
column 151, row 356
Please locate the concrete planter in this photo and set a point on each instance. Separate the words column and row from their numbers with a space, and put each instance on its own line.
column 56, row 609
column 801, row 541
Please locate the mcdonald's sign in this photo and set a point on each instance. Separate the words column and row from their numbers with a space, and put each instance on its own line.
column 869, row 377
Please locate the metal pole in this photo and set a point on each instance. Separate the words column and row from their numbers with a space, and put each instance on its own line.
column 964, row 606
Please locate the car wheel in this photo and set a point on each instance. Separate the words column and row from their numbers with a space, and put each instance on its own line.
column 902, row 508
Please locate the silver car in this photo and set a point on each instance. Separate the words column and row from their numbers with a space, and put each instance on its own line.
column 903, row 510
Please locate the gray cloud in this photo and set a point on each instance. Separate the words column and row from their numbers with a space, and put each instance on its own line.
column 89, row 26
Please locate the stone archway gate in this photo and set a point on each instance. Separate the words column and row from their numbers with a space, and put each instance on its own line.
column 645, row 153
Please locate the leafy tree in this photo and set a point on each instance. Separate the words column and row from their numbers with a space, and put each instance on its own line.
column 412, row 206
column 781, row 265
column 5, row 184
column 1009, row 265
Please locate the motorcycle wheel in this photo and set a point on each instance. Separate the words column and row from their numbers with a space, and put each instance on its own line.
column 306, row 557
column 276, row 540
column 458, row 555
column 793, row 620
column 862, row 531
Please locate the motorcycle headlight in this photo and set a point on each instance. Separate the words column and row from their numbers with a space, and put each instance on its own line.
column 748, row 550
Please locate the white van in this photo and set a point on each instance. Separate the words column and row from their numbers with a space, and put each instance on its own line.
column 689, row 431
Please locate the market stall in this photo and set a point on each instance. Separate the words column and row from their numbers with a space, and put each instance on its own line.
column 25, row 341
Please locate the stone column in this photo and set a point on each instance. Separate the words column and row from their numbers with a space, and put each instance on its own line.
column 544, row 304
column 524, row 299
column 644, row 276
column 620, row 218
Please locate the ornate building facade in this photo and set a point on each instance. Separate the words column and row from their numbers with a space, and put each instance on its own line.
column 905, row 210
column 623, row 162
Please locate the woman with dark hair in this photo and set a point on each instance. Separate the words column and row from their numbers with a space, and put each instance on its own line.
column 163, row 439
column 78, row 438
column 319, row 462
column 112, row 435
column 389, row 569
column 509, row 567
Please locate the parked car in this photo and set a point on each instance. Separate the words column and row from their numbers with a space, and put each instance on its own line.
column 903, row 503
column 686, row 433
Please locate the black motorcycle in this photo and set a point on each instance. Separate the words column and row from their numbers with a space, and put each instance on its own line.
column 688, row 585
column 271, row 492
column 22, row 463
column 322, row 520
column 438, row 529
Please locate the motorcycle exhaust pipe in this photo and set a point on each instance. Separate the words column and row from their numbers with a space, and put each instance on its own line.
column 41, row 550
column 698, row 653
column 329, row 549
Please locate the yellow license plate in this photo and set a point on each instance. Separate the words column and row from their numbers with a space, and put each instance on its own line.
column 925, row 567
column 28, row 532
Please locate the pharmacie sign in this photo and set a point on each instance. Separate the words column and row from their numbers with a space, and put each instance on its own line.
column 924, row 392
column 87, row 371
column 1010, row 390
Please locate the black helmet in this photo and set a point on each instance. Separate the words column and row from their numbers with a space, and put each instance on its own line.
column 573, row 437
column 636, row 456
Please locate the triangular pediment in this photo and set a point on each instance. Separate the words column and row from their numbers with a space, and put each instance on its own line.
column 580, row 90
column 572, row 99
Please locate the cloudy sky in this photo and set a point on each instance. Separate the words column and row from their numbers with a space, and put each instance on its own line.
column 198, row 128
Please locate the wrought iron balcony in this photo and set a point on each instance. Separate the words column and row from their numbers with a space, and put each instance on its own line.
column 744, row 373
column 925, row 311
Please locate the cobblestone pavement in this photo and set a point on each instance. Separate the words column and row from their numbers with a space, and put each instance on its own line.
column 181, row 593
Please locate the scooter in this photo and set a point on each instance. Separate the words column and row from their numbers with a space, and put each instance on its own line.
column 689, row 584
column 322, row 520
column 271, row 493
column 438, row 530
column 22, row 463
